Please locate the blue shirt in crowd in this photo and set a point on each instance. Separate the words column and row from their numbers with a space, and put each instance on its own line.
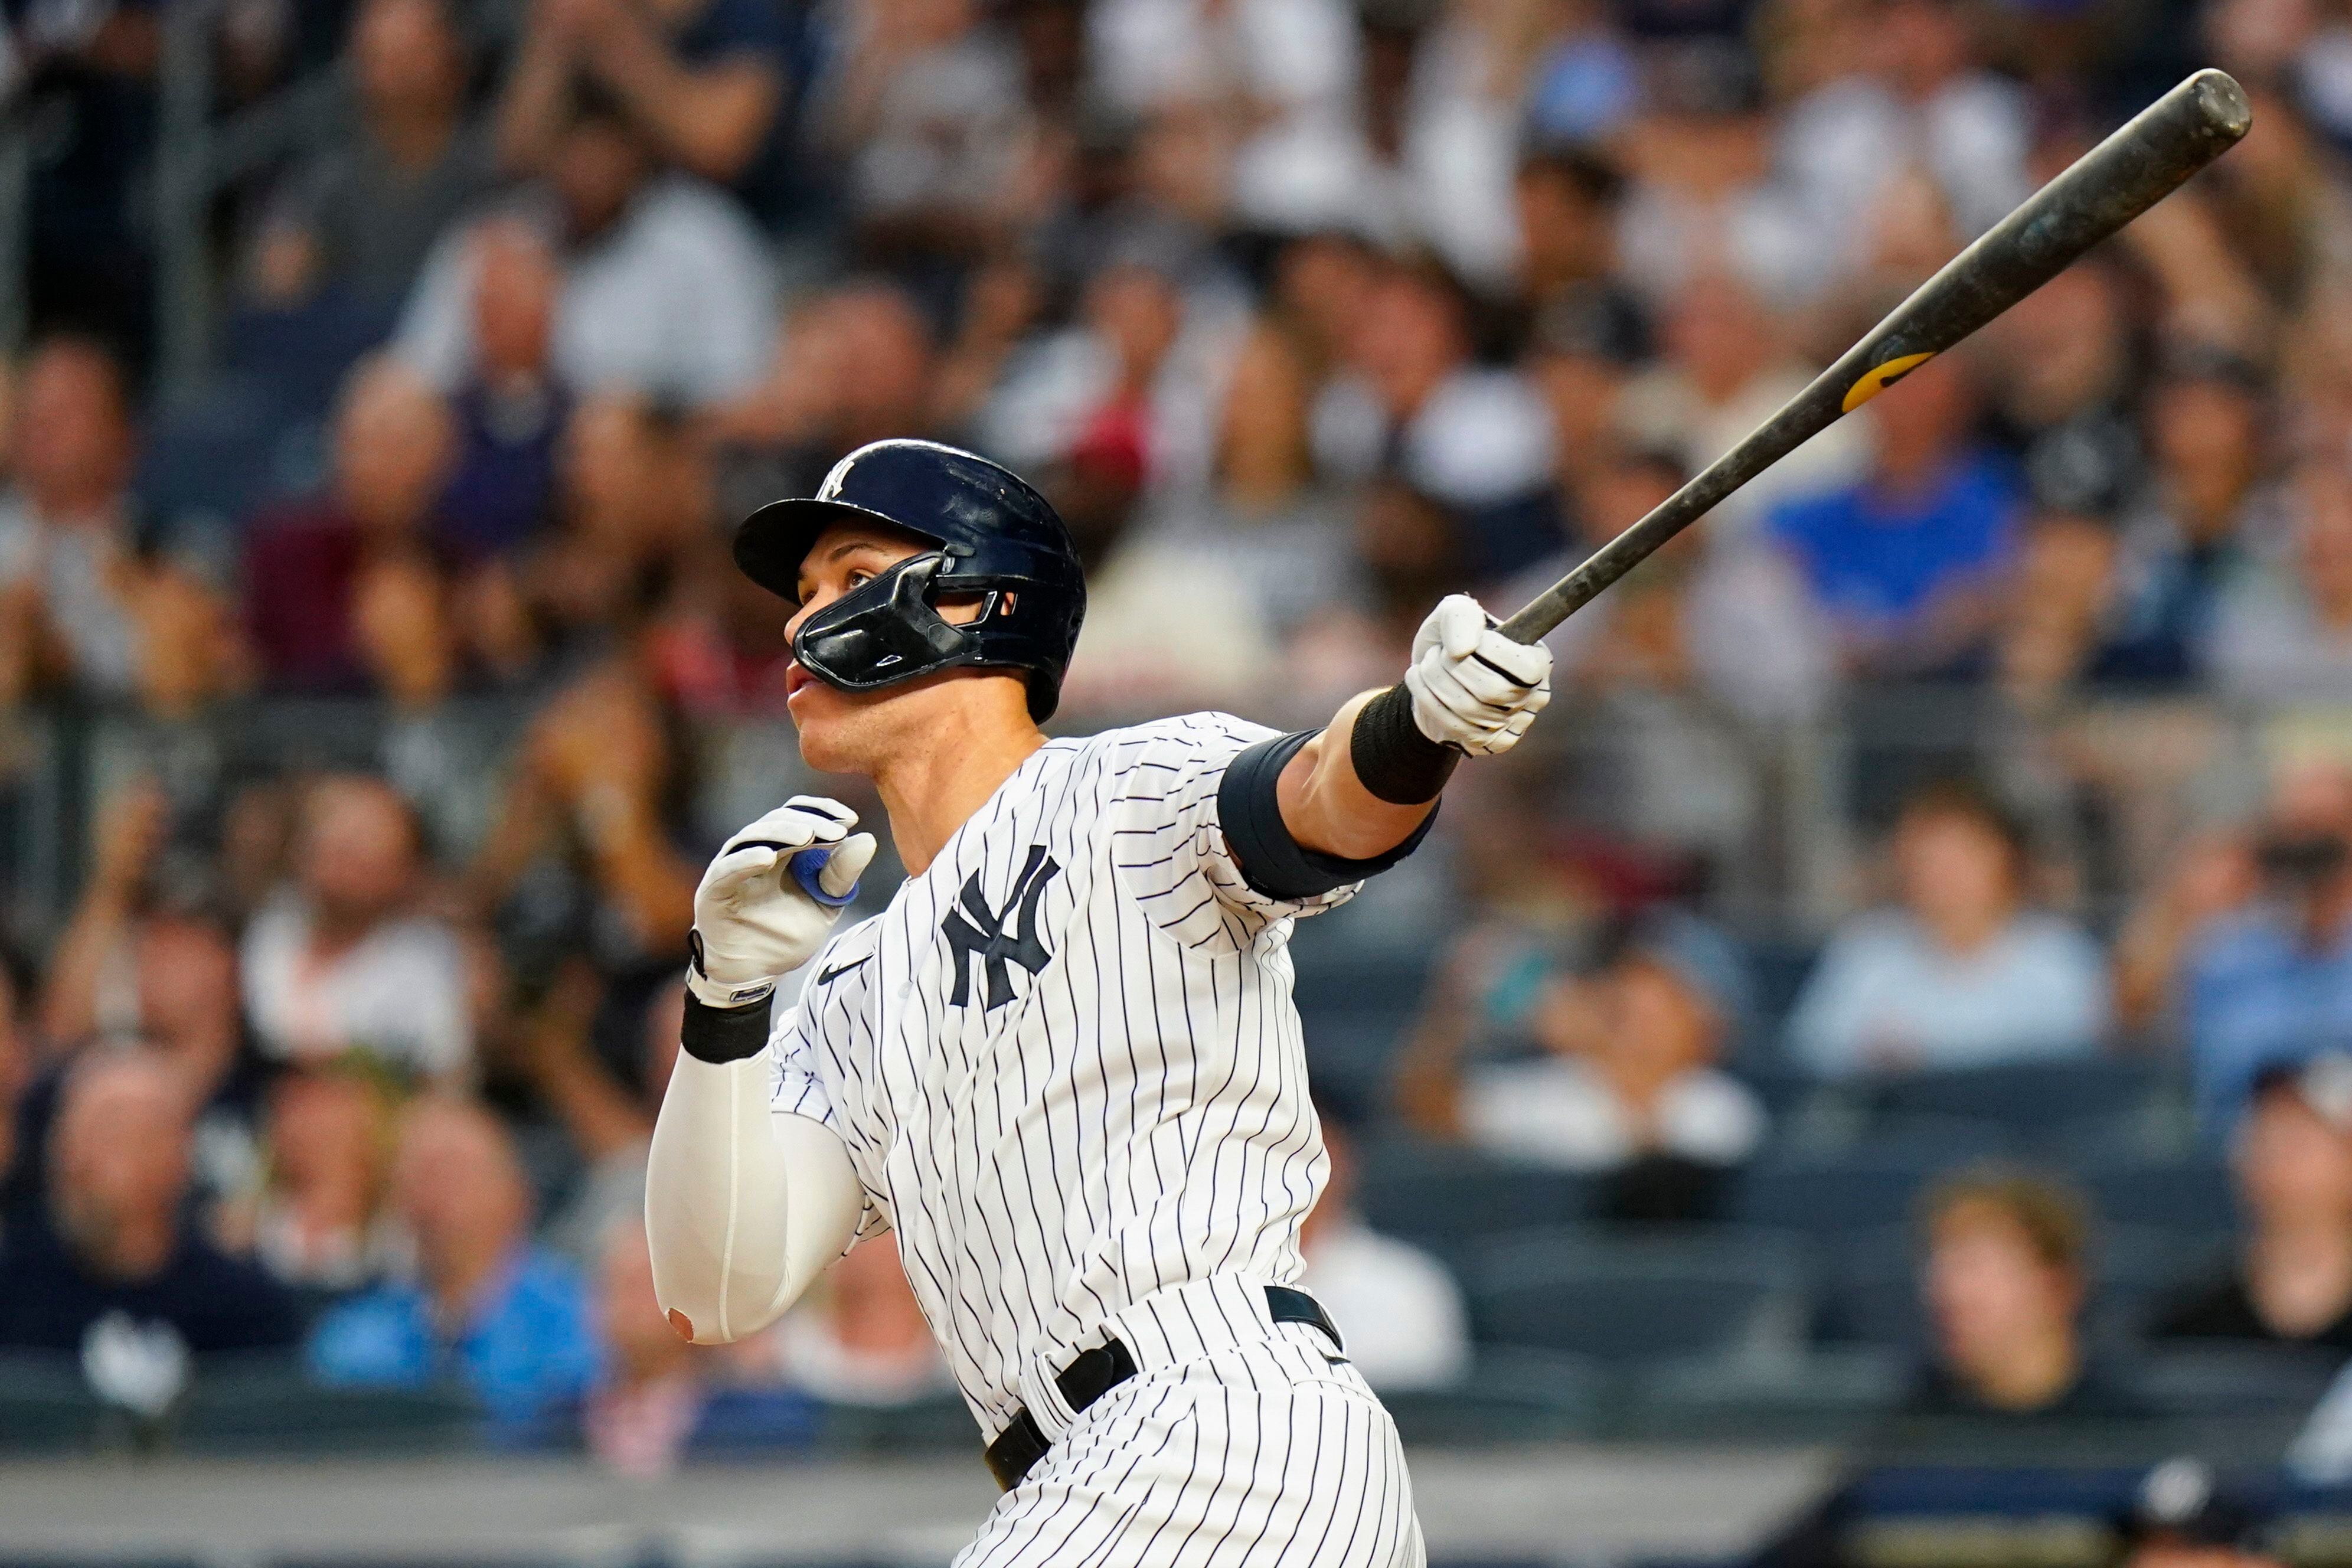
column 1877, row 561
column 2257, row 992
column 530, row 1350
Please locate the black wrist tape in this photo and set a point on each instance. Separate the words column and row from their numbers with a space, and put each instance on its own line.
column 722, row 1035
column 1392, row 758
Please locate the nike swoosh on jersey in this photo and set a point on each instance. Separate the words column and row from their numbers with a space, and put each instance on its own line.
column 828, row 975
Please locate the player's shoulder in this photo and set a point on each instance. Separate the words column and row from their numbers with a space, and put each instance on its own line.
column 1182, row 740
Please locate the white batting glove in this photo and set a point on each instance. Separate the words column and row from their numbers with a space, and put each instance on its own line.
column 1471, row 686
column 770, row 896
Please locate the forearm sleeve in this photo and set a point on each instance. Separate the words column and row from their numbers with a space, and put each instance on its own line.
column 743, row 1207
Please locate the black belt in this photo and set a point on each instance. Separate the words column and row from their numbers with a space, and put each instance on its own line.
column 1097, row 1372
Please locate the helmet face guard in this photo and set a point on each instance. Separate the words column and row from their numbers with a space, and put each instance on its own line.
column 887, row 629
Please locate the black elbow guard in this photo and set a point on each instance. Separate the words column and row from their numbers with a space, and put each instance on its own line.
column 1272, row 862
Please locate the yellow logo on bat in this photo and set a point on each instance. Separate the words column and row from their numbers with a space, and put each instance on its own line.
column 1882, row 377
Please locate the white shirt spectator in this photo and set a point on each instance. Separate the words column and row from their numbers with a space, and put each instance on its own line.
column 1844, row 144
column 1396, row 1307
column 2270, row 643
column 815, row 1361
column 1885, row 996
column 1661, row 409
column 1296, row 62
column 74, row 566
column 1481, row 438
column 1135, row 659
column 677, row 301
column 399, row 992
column 1555, row 1111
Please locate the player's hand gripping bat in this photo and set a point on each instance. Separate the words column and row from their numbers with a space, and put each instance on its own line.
column 2105, row 189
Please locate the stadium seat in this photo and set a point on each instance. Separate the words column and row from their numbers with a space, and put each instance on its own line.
column 1451, row 1199
column 46, row 1406
column 2022, row 1095
column 271, row 1408
column 1636, row 1298
column 1812, row 1397
column 1859, row 1188
column 2190, row 1195
column 1509, row 1396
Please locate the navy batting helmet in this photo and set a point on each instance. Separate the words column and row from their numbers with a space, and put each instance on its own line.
column 998, row 540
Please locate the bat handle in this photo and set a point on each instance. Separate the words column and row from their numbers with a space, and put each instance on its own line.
column 806, row 866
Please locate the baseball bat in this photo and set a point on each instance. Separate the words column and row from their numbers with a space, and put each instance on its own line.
column 2102, row 190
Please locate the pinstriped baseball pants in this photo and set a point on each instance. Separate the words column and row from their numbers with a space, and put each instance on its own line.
column 1271, row 1454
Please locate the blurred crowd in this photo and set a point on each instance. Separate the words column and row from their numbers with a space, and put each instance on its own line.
column 1305, row 312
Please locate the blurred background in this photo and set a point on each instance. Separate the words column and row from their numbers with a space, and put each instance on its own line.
column 1873, row 1074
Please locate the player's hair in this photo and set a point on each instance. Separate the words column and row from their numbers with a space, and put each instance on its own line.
column 2048, row 1211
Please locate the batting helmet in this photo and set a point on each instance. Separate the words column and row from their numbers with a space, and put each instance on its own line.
column 998, row 540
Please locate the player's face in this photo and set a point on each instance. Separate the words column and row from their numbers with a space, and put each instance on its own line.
column 853, row 731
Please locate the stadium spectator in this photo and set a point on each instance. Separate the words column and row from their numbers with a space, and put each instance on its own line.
column 708, row 79
column 89, row 73
column 1262, row 509
column 1726, row 368
column 362, row 211
column 1134, row 657
column 1629, row 1083
column 1961, row 972
column 2003, row 1284
column 2291, row 1282
column 320, row 574
column 483, row 1305
column 113, row 1251
column 2183, row 1517
column 856, row 364
column 2205, row 516
column 1473, row 438
column 668, row 293
column 2282, row 631
column 1905, row 566
column 1399, row 1312
column 1713, row 619
column 609, row 1117
column 661, row 1398
column 87, row 605
column 1923, row 98
column 316, row 1221
column 862, row 1341
column 511, row 410
column 2272, row 982
column 1569, row 270
column 925, row 115
column 341, row 964
column 130, row 967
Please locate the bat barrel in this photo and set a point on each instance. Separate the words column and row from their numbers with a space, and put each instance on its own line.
column 2146, row 160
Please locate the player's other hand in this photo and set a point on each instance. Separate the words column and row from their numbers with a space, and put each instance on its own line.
column 1472, row 687
column 772, row 896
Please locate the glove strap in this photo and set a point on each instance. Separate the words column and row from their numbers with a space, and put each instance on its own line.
column 1392, row 757
column 722, row 1035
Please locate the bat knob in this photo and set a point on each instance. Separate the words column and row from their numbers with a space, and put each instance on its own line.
column 805, row 867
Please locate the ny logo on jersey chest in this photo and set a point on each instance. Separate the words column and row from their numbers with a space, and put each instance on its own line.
column 976, row 932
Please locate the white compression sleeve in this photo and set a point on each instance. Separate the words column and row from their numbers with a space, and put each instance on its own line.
column 743, row 1207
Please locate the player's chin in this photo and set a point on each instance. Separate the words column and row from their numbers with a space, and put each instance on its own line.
column 832, row 724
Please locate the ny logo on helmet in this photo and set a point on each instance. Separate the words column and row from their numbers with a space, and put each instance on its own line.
column 976, row 932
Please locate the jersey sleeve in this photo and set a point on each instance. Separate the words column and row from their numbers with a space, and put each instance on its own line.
column 1171, row 843
column 812, row 1081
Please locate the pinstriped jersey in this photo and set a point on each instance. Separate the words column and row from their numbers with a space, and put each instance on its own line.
column 1066, row 1059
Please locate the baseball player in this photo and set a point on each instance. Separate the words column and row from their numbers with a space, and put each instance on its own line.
column 1063, row 1065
